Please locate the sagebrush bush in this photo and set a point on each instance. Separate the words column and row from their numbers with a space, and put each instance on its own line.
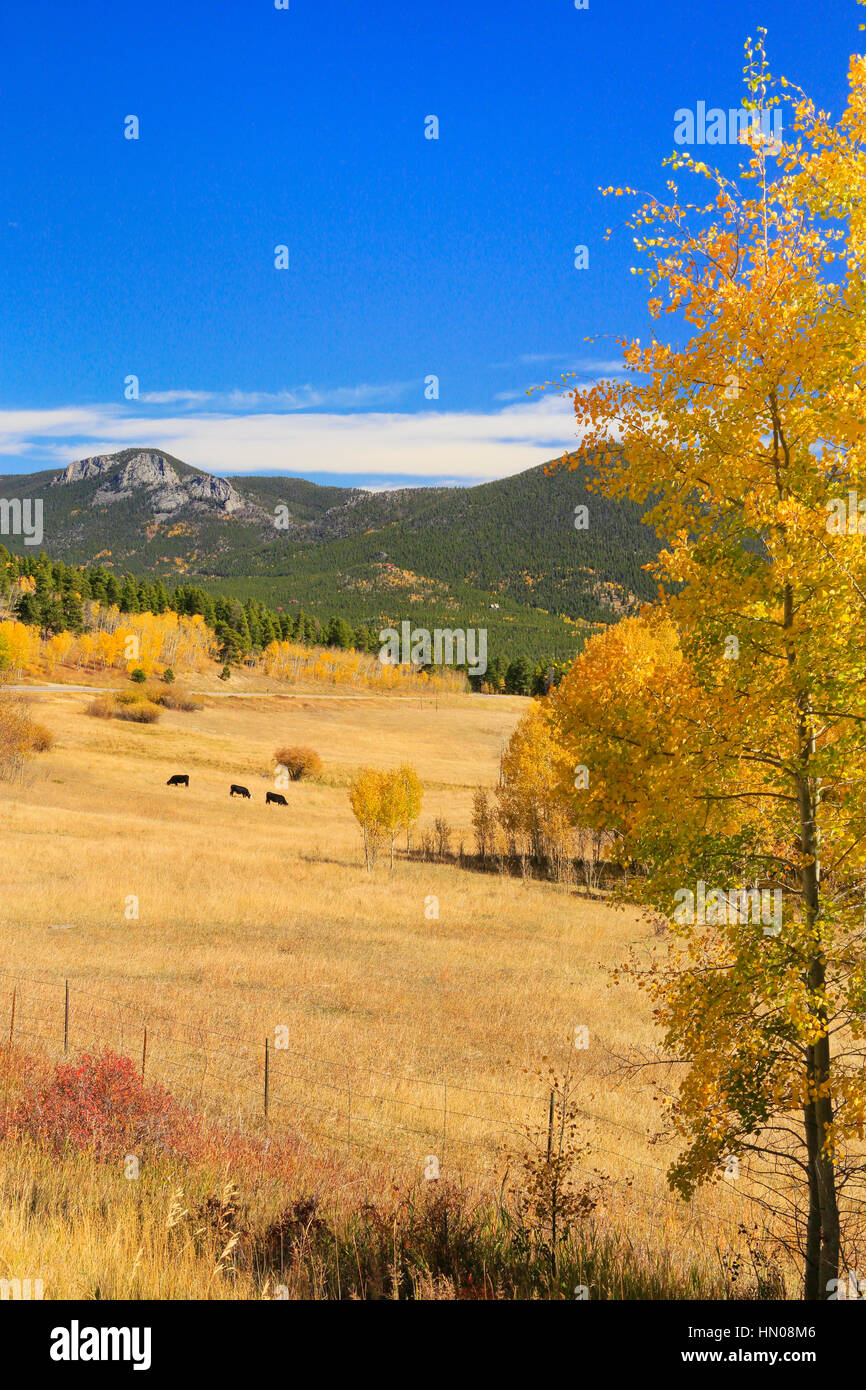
column 144, row 712
column 299, row 762
column 41, row 738
column 176, row 699
column 132, row 706
column 102, row 707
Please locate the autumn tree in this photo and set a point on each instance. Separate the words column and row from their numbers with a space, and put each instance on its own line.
column 384, row 801
column 530, row 813
column 391, row 803
column 724, row 736
column 484, row 822
column 410, row 797
column 365, row 798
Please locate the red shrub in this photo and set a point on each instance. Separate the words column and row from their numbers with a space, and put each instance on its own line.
column 101, row 1104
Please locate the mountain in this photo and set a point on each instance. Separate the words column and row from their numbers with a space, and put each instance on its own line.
column 504, row 554
column 169, row 486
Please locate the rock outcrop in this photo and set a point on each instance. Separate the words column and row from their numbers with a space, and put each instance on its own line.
column 122, row 475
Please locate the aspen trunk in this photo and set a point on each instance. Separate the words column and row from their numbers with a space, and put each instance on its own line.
column 822, row 1226
column 822, row 1229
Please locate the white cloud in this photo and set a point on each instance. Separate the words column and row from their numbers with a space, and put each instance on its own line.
column 176, row 397
column 305, row 397
column 607, row 367
column 457, row 446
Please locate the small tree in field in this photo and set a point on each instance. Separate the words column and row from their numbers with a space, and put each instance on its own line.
column 410, row 796
column 365, row 797
column 384, row 802
column 528, row 809
column 484, row 822
column 391, row 806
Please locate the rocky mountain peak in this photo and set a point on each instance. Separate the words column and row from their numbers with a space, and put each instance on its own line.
column 134, row 471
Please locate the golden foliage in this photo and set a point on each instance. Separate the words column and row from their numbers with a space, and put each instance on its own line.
column 20, row 737
column 384, row 801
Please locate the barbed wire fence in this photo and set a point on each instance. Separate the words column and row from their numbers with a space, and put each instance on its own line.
column 345, row 1107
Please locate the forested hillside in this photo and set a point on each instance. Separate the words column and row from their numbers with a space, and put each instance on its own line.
column 504, row 555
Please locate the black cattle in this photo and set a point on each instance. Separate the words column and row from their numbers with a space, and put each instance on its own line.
column 239, row 791
column 276, row 798
column 180, row 779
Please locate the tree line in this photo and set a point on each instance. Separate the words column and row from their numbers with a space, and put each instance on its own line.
column 54, row 603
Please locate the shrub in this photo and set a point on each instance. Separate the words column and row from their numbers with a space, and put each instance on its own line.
column 168, row 675
column 443, row 833
column 299, row 762
column 140, row 713
column 41, row 739
column 102, row 707
column 20, row 738
column 101, row 1104
column 484, row 823
column 297, row 1229
column 176, row 699
column 138, row 676
column 132, row 706
column 225, row 673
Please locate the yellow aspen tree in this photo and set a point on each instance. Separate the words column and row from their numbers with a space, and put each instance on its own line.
column 411, row 798
column 392, row 803
column 738, row 761
column 365, row 798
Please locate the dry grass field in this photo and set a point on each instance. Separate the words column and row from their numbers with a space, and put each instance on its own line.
column 403, row 1035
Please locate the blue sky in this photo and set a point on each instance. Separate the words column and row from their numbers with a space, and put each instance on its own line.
column 408, row 257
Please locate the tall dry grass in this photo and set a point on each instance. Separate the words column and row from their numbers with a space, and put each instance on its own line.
column 416, row 1005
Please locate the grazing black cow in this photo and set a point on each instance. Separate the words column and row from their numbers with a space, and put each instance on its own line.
column 180, row 779
column 276, row 798
column 239, row 791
